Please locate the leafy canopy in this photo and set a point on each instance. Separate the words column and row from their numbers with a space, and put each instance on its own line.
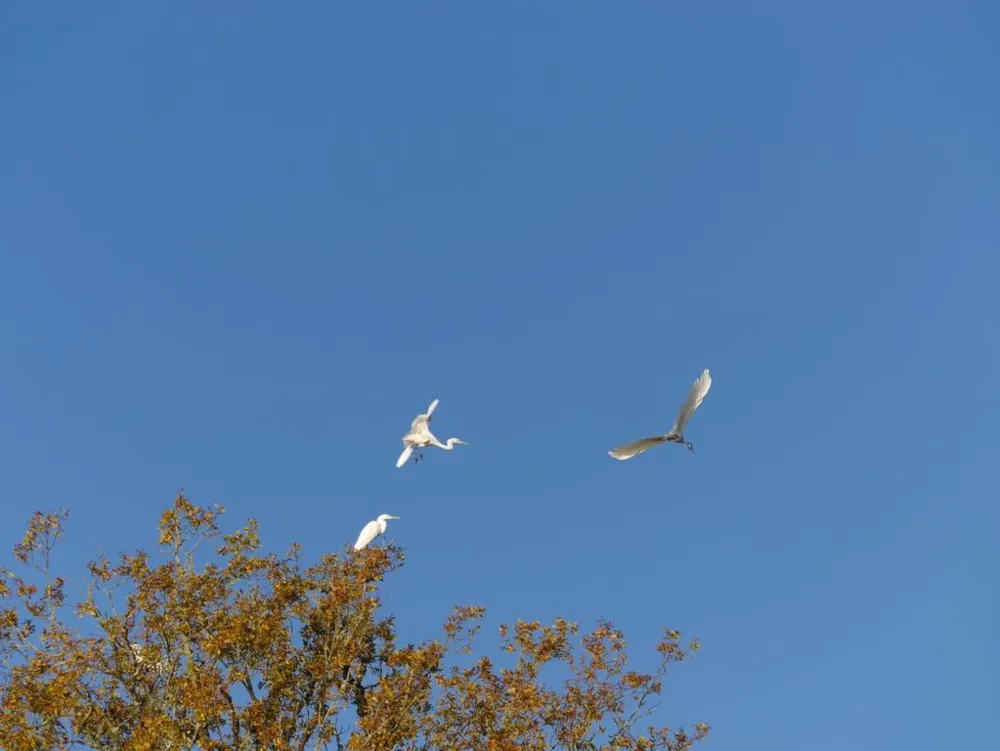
column 259, row 651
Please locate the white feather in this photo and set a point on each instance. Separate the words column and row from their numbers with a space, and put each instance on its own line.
column 404, row 456
column 370, row 532
column 694, row 399
column 636, row 447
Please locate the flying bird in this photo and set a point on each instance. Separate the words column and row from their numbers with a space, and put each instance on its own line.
column 372, row 530
column 676, row 435
column 420, row 436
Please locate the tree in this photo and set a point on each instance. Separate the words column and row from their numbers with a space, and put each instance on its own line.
column 260, row 651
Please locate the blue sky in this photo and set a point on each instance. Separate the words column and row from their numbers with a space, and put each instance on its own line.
column 240, row 247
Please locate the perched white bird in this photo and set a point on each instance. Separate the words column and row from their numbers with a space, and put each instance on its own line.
column 420, row 436
column 372, row 530
column 676, row 434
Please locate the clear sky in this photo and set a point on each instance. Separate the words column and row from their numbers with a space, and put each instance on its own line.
column 242, row 246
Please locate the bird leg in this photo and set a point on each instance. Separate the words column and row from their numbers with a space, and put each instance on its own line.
column 690, row 447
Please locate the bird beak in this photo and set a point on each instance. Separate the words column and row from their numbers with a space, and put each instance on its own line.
column 394, row 517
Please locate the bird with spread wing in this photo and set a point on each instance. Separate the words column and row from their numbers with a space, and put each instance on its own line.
column 420, row 436
column 676, row 435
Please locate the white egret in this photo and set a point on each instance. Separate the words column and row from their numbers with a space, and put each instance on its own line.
column 420, row 436
column 372, row 530
column 676, row 435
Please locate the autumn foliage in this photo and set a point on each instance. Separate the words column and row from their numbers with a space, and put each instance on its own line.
column 247, row 650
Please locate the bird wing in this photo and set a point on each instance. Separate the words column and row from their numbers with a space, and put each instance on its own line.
column 694, row 399
column 636, row 447
column 407, row 450
column 420, row 421
column 369, row 533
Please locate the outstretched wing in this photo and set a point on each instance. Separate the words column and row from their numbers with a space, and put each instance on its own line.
column 694, row 399
column 404, row 456
column 636, row 447
column 369, row 533
column 420, row 421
